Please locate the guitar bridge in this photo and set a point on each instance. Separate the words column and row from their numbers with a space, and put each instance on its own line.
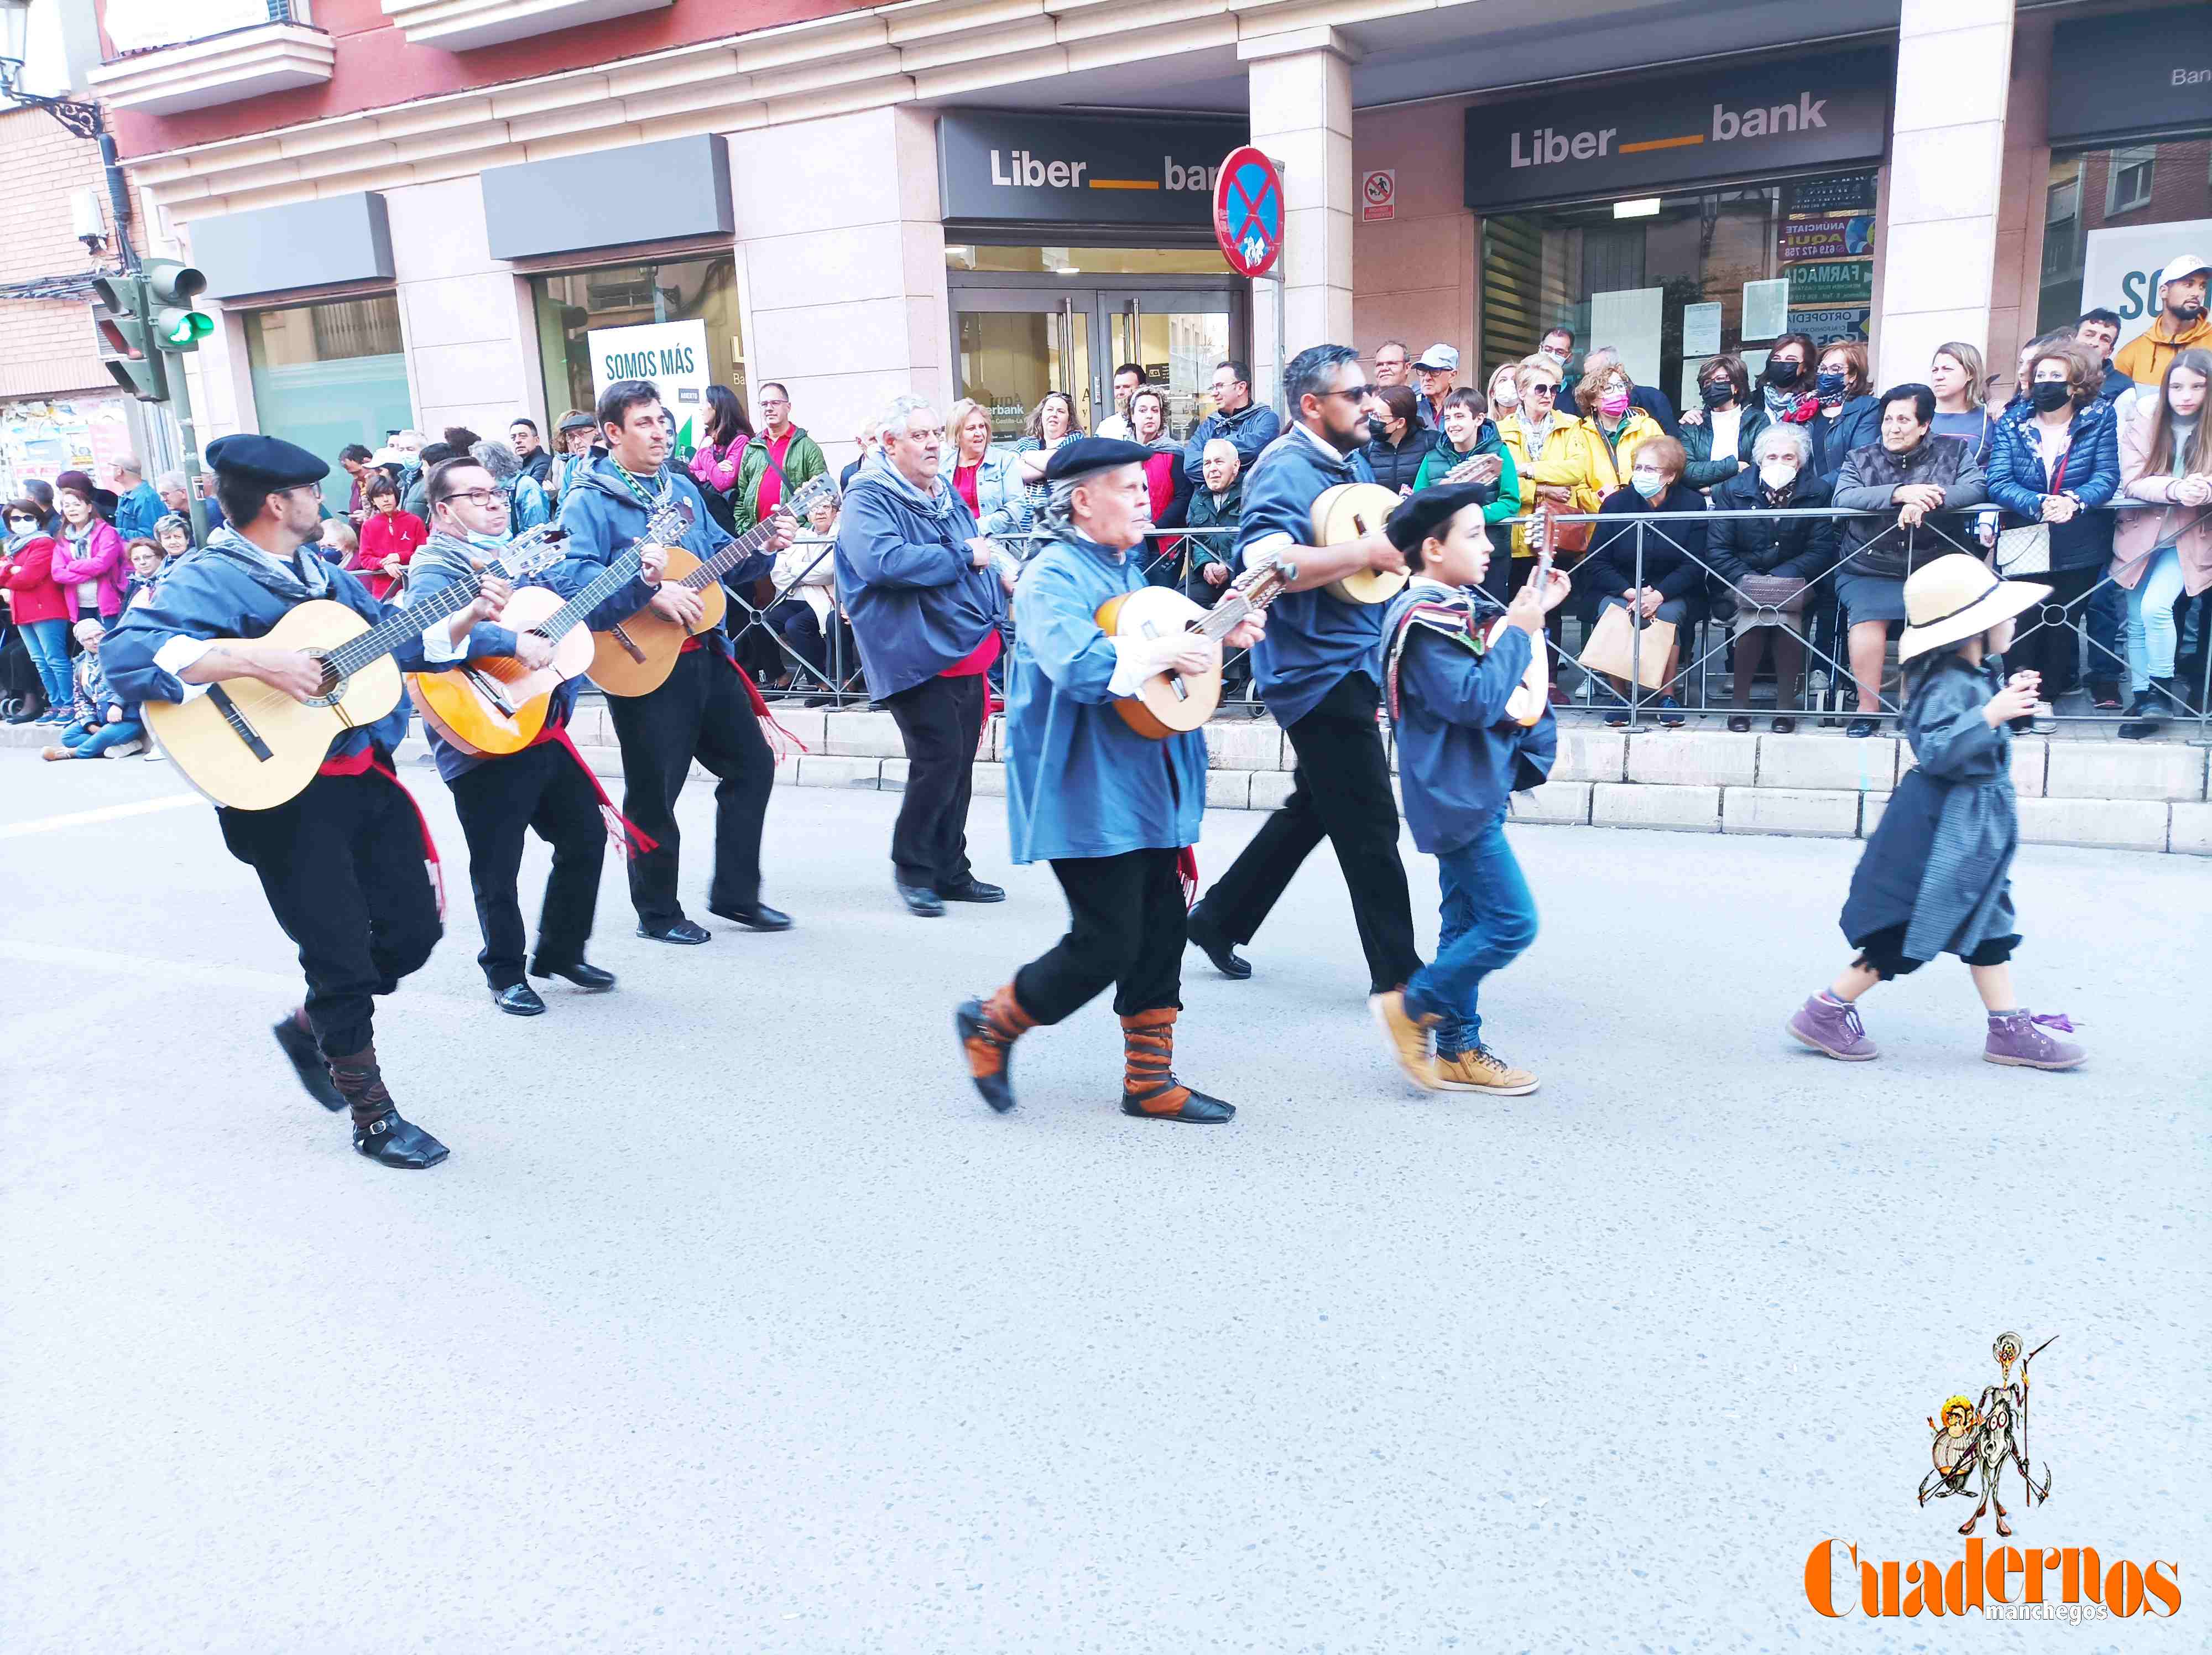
column 492, row 689
column 219, row 698
column 630, row 644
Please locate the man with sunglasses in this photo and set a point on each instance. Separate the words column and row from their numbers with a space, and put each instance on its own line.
column 344, row 864
column 1316, row 669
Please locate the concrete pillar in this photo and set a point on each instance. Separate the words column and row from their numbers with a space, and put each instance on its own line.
column 842, row 257
column 465, row 316
column 1947, row 164
column 1301, row 96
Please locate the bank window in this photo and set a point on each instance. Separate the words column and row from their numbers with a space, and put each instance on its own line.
column 2062, row 223
column 330, row 375
column 571, row 307
column 2130, row 183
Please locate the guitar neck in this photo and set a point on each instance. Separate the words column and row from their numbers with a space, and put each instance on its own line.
column 616, row 575
column 407, row 622
column 714, row 569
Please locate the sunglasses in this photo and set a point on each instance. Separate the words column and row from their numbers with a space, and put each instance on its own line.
column 1356, row 393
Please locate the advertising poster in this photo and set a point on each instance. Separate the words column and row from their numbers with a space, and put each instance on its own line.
column 2119, row 268
column 671, row 354
column 1817, row 197
column 39, row 440
column 1824, row 324
column 1804, row 239
column 1838, row 281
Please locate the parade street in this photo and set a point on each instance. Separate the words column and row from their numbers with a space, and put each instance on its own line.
column 737, row 1323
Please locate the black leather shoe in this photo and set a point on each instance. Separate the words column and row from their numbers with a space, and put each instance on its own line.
column 920, row 902
column 519, row 1000
column 1218, row 949
column 1859, row 728
column 1198, row 1110
column 392, row 1141
column 971, row 890
column 1739, row 722
column 681, row 931
column 588, row 977
column 759, row 917
column 299, row 1046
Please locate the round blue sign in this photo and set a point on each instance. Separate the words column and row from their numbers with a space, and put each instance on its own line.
column 1248, row 211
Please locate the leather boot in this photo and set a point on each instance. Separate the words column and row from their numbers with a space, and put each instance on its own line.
column 1149, row 1089
column 379, row 1132
column 988, row 1030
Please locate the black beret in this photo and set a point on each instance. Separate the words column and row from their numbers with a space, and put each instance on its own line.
column 1428, row 512
column 269, row 461
column 1083, row 455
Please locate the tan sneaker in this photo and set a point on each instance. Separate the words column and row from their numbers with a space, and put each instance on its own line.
column 1408, row 1038
column 1483, row 1070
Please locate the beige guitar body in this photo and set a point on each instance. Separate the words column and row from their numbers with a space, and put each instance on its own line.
column 1349, row 512
column 1166, row 703
column 252, row 747
column 636, row 657
column 498, row 705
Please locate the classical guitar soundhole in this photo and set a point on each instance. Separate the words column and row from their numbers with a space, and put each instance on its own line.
column 331, row 689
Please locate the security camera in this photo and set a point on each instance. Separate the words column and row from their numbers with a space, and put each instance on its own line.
column 86, row 222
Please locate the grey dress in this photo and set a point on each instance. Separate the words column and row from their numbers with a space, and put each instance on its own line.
column 1939, row 865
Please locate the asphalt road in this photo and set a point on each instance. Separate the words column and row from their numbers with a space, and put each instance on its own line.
column 736, row 1322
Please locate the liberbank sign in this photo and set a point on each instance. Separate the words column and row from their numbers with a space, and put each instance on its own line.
column 1010, row 166
column 1634, row 137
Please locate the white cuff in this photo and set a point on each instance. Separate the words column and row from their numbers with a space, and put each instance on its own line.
column 178, row 656
column 1253, row 551
column 1133, row 665
column 438, row 643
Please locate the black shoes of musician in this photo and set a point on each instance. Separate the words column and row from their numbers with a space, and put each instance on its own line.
column 1218, row 949
column 1198, row 1108
column 920, row 901
column 759, row 917
column 298, row 1045
column 971, row 889
column 392, row 1141
column 1859, row 728
column 677, row 931
column 519, row 1000
column 586, row 975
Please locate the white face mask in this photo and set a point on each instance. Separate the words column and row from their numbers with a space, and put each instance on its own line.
column 1778, row 474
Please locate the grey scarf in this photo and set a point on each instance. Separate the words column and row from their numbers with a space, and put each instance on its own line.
column 311, row 580
column 935, row 503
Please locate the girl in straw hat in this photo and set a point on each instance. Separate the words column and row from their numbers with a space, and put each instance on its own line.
column 1936, row 875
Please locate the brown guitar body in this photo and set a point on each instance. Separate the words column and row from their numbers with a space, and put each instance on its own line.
column 1166, row 703
column 496, row 706
column 636, row 657
column 1349, row 512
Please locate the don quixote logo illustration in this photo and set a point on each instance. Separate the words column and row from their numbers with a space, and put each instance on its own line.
column 1979, row 1445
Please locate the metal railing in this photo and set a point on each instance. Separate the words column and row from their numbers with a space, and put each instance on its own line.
column 2096, row 619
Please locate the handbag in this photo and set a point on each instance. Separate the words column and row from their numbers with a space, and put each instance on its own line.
column 1616, row 646
column 2027, row 551
column 1781, row 591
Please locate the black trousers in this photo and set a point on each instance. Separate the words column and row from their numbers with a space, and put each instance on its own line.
column 701, row 712
column 1339, row 791
column 343, row 868
column 941, row 721
column 796, row 625
column 499, row 802
column 2054, row 647
column 1127, row 921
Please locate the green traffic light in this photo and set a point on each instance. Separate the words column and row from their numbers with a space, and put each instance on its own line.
column 184, row 329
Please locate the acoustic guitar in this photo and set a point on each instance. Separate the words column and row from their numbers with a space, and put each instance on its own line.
column 496, row 705
column 1169, row 703
column 1534, row 693
column 250, row 746
column 1348, row 511
column 634, row 657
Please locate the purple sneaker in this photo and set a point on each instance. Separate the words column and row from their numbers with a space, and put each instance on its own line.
column 1829, row 1026
column 2018, row 1041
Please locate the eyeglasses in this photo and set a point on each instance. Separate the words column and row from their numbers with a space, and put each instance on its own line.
column 776, row 402
column 479, row 497
column 314, row 489
column 1542, row 391
column 1356, row 393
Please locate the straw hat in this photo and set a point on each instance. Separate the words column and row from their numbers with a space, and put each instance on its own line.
column 1954, row 597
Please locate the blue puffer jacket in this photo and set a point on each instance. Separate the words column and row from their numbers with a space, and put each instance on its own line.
column 2089, row 470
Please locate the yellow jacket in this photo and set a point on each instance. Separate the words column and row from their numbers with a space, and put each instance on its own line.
column 2146, row 357
column 1606, row 465
column 1563, row 464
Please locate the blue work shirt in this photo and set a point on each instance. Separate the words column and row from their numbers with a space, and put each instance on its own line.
column 908, row 581
column 1079, row 781
column 1313, row 639
column 605, row 517
column 1460, row 757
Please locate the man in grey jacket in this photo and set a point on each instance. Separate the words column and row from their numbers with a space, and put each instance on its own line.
column 1237, row 419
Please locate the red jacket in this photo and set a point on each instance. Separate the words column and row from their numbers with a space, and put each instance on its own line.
column 30, row 576
column 386, row 534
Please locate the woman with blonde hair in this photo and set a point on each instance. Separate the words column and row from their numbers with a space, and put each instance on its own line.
column 981, row 473
column 1955, row 374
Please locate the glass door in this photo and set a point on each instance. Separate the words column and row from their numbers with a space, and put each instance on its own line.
column 1011, row 346
column 1178, row 339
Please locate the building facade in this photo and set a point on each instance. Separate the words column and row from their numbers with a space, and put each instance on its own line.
column 423, row 212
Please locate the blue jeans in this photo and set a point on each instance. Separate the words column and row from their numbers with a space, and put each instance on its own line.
column 94, row 744
column 48, row 642
column 2152, row 634
column 1489, row 921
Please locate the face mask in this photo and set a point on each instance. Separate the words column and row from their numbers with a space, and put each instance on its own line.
column 485, row 542
column 1507, row 398
column 1717, row 393
column 2049, row 396
column 1613, row 404
column 1828, row 385
column 1778, row 474
column 1783, row 374
column 1650, row 485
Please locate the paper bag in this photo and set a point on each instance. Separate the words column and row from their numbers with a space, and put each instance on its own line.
column 1609, row 649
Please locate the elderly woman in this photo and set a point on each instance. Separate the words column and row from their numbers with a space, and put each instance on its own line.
column 1756, row 561
column 1050, row 424
column 525, row 501
column 983, row 477
column 1673, row 568
column 1401, row 442
column 1613, row 429
column 1719, row 436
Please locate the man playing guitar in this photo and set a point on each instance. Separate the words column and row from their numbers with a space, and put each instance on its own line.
column 342, row 863
column 707, row 710
column 500, row 797
column 1315, row 671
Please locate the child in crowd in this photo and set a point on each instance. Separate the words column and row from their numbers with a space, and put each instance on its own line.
column 145, row 571
column 99, row 724
column 388, row 538
column 174, row 532
column 1460, row 758
column 1936, row 877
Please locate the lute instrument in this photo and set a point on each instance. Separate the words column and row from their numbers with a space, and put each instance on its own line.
column 1534, row 693
column 1167, row 702
column 251, row 746
column 1349, row 512
column 496, row 705
column 635, row 656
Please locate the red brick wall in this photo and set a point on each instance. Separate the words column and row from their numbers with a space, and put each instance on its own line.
column 47, row 346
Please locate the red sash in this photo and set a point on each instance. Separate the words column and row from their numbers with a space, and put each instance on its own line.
column 780, row 741
column 630, row 839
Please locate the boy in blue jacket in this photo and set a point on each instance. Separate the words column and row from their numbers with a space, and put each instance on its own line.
column 1460, row 757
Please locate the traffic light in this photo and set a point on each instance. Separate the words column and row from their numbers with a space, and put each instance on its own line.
column 127, row 330
column 171, row 287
